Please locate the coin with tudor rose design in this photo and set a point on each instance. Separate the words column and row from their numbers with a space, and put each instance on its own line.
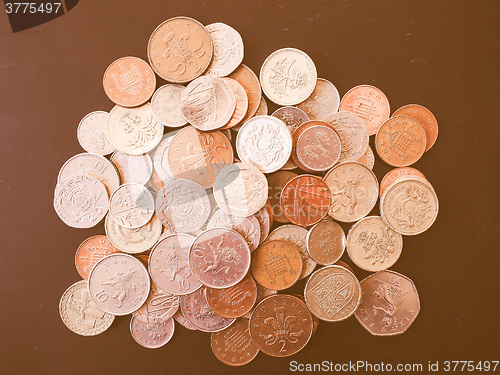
column 372, row 245
column 180, row 49
column 90, row 251
column 166, row 105
column 281, row 325
column 131, row 206
column 119, row 284
column 91, row 133
column 228, row 49
column 288, row 76
column 390, row 303
column 169, row 264
column 219, row 257
column 80, row 313
column 332, row 293
column 234, row 301
column 326, row 242
column 153, row 334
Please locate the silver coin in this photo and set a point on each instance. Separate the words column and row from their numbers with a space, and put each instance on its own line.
column 166, row 105
column 91, row 133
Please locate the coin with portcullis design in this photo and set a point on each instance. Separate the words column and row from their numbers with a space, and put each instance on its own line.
column 234, row 301
column 92, row 250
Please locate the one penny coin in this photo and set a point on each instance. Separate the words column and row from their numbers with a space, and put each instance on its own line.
column 395, row 174
column 250, row 82
column 425, row 118
column 90, row 251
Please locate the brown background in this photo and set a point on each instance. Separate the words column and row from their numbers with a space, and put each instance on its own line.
column 441, row 54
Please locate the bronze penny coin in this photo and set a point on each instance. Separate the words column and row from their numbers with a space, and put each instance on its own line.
column 234, row 301
column 90, row 251
column 233, row 346
column 305, row 200
column 129, row 81
column 241, row 103
column 332, row 293
column 326, row 242
column 250, row 82
column 262, row 293
column 315, row 318
column 343, row 264
column 395, row 174
column 390, row 303
column 425, row 118
column 369, row 103
column 276, row 264
column 180, row 49
column 400, row 141
column 281, row 325
column 276, row 181
column 318, row 148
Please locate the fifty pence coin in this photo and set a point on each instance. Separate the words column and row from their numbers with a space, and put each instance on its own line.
column 90, row 251
column 326, row 242
column 91, row 133
column 228, row 49
column 131, row 206
column 323, row 101
column 166, row 105
column 151, row 335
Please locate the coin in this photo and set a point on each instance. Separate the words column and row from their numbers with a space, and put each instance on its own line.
column 305, row 200
column 182, row 206
column 198, row 312
column 353, row 134
column 160, row 161
column 234, row 346
column 354, row 190
column 314, row 317
column 80, row 314
column 326, row 242
column 208, row 103
column 265, row 142
column 159, row 306
column 332, row 293
column 288, row 76
column 318, row 148
column 81, row 201
column 248, row 227
column 262, row 293
column 293, row 117
column 400, row 141
column 343, row 264
column 90, row 251
column 241, row 104
column 136, row 169
column 180, row 49
column 297, row 236
column 166, row 105
column 372, row 245
column 265, row 221
column 390, row 303
column 219, row 257
column 228, row 49
column 151, row 335
column 133, row 131
column 276, row 264
column 131, row 206
column 262, row 109
column 425, row 118
column 323, row 101
column 133, row 240
column 369, row 103
column 169, row 264
column 395, row 174
column 409, row 206
column 93, row 165
column 91, row 133
column 119, row 284
column 234, row 301
column 277, row 181
column 240, row 189
column 368, row 158
column 247, row 78
column 179, row 318
column 199, row 156
column 281, row 325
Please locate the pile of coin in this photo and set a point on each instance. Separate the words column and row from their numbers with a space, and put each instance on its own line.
column 188, row 226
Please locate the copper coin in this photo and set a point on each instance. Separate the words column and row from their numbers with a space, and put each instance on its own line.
column 262, row 109
column 354, row 190
column 395, row 174
column 390, row 303
column 305, row 200
column 276, row 265
column 262, row 293
column 241, row 103
column 180, row 49
column 151, row 335
column 372, row 245
column 332, row 293
column 425, row 118
column 400, row 141
column 323, row 101
column 199, row 156
column 326, row 242
column 166, row 105
column 136, row 169
column 169, row 264
column 318, row 148
column 131, row 206
column 295, row 137
column 198, row 312
column 247, row 78
column 143, row 258
column 234, row 346
column 208, row 103
column 159, row 306
column 276, row 182
column 264, row 218
column 343, row 264
column 293, row 117
column 369, row 103
column 129, row 81
column 314, row 317
column 281, row 325
column 234, row 301
column 90, row 251
column 219, row 257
